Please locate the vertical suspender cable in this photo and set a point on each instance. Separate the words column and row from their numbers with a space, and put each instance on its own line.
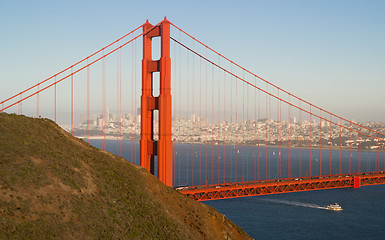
column 266, row 140
column 243, row 129
column 246, row 125
column 350, row 152
column 236, row 127
column 120, row 102
column 206, row 118
column 330, row 147
column 117, row 102
column 320, row 145
column 277, row 129
column 231, row 124
column 200, row 121
column 104, row 103
column 224, row 120
column 136, row 91
column 119, row 115
column 359, row 156
column 174, row 87
column 259, row 137
column 72, row 102
column 289, row 132
column 193, row 119
column 279, row 137
column 340, row 148
column 310, row 142
column 188, row 110
column 180, row 101
column 20, row 105
column 133, row 111
column 212, row 120
column 299, row 141
column 37, row 102
column 367, row 157
column 55, row 100
column 218, row 123
column 256, row 132
column 88, row 103
column 269, row 127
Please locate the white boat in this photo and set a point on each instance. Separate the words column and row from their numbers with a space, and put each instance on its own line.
column 334, row 207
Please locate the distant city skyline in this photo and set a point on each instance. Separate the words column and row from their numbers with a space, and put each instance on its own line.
column 302, row 133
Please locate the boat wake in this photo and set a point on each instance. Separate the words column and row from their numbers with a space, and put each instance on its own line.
column 294, row 203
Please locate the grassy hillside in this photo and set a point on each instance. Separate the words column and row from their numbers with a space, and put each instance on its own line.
column 55, row 186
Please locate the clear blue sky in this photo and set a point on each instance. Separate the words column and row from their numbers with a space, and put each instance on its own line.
column 331, row 53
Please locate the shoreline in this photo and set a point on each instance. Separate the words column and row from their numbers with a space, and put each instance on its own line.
column 344, row 148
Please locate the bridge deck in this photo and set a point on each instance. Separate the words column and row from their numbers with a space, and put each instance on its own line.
column 254, row 188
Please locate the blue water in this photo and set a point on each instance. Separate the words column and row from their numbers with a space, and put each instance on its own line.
column 282, row 216
column 293, row 215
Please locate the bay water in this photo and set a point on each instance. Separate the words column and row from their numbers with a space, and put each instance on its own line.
column 300, row 215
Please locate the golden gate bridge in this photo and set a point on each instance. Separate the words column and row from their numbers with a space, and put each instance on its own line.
column 209, row 127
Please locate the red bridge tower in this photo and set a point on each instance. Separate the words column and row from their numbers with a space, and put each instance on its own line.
column 149, row 148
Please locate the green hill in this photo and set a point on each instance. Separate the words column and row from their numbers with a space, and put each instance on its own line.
column 55, row 186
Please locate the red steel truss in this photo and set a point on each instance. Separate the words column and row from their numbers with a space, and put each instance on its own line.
column 247, row 189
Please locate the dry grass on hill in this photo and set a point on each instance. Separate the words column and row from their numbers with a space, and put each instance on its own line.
column 55, row 186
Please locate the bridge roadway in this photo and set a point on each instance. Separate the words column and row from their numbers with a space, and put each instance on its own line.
column 264, row 187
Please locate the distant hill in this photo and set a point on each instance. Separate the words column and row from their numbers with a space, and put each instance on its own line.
column 55, row 186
